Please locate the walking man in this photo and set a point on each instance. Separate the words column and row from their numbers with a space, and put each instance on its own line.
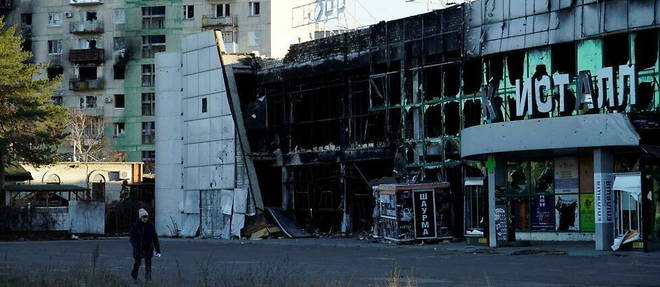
column 143, row 240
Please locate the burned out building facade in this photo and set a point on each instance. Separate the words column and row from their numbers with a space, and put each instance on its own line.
column 534, row 112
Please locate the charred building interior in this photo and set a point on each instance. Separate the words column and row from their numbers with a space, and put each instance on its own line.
column 518, row 120
column 344, row 113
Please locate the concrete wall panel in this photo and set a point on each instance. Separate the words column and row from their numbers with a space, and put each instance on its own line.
column 87, row 216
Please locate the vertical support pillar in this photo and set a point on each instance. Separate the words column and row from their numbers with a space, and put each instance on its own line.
column 603, row 197
column 286, row 195
column 346, row 215
column 496, row 167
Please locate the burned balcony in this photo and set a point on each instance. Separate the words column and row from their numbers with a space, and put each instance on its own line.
column 85, row 84
column 85, row 2
column 86, row 55
column 86, row 27
column 219, row 21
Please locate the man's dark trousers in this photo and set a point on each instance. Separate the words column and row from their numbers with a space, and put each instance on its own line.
column 136, row 267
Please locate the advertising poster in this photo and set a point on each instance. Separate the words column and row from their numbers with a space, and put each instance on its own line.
column 567, row 216
column 604, row 212
column 567, row 175
column 587, row 214
column 424, row 206
column 543, row 212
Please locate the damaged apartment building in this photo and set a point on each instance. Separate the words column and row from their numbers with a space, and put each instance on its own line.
column 539, row 115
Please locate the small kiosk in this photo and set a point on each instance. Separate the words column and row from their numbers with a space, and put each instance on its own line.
column 408, row 212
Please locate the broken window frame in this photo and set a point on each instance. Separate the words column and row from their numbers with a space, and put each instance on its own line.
column 152, row 44
column 153, row 17
column 119, row 101
column 119, row 129
column 148, row 132
column 148, row 104
column 148, row 75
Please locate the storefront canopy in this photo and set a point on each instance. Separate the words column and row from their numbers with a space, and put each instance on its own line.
column 596, row 130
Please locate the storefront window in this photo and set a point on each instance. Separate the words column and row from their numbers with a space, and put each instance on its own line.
column 544, row 195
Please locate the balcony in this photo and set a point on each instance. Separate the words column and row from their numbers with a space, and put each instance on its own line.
column 85, row 85
column 215, row 21
column 85, row 2
column 86, row 56
column 86, row 27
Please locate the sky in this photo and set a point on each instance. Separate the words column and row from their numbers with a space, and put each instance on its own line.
column 366, row 12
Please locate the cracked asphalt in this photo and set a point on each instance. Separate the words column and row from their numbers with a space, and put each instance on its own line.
column 358, row 262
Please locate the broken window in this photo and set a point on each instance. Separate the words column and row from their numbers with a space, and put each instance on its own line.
column 88, row 16
column 471, row 113
column 564, row 59
column 153, row 17
column 472, row 76
column 88, row 102
column 148, row 75
column 616, row 50
column 89, row 44
column 58, row 100
column 148, row 104
column 152, row 44
column 119, row 72
column 377, row 91
column 87, row 73
column 204, row 105
column 148, row 132
column 433, row 83
column 494, row 68
column 54, row 71
column 433, row 121
column 646, row 49
column 118, row 43
column 542, row 174
column 645, row 92
column 394, row 91
column 515, row 64
column 451, row 81
column 119, row 101
column 452, row 119
column 119, row 130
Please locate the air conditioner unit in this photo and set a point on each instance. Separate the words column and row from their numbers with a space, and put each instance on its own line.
column 68, row 14
column 123, row 175
column 107, row 100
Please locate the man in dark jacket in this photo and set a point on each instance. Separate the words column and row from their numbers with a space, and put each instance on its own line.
column 144, row 240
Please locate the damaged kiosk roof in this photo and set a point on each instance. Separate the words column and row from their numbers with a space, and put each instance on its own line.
column 597, row 130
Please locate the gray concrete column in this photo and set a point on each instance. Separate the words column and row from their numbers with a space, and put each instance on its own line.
column 603, row 198
column 496, row 166
column 285, row 189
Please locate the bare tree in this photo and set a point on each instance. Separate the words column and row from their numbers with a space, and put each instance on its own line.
column 86, row 136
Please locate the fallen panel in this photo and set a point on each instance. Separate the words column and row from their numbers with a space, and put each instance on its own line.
column 288, row 226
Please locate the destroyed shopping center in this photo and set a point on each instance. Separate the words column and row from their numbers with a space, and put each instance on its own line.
column 492, row 120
